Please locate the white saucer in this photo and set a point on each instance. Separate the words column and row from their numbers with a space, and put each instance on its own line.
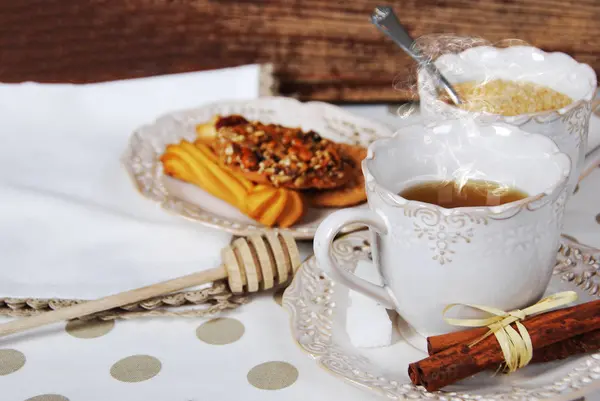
column 317, row 307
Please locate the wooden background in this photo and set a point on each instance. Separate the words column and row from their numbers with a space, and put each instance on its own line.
column 321, row 49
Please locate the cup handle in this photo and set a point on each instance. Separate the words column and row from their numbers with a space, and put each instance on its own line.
column 592, row 159
column 324, row 237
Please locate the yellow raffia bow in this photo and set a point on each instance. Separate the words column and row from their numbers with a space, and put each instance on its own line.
column 516, row 345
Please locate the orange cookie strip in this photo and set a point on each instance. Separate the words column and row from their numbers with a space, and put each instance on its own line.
column 207, row 174
column 259, row 199
column 196, row 164
column 270, row 215
column 207, row 150
column 293, row 210
column 180, row 164
column 233, row 183
column 271, row 206
column 351, row 194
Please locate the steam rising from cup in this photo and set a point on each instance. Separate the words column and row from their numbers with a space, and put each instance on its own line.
column 474, row 94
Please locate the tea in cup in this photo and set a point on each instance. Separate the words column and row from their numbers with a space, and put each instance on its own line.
column 461, row 213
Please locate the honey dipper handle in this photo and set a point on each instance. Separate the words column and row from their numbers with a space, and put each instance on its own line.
column 112, row 301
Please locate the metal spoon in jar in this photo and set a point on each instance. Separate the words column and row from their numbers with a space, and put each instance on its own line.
column 386, row 21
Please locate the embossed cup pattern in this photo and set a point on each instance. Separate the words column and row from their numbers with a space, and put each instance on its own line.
column 429, row 257
column 500, row 256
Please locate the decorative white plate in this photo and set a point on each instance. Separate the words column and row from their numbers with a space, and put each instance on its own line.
column 148, row 142
column 317, row 307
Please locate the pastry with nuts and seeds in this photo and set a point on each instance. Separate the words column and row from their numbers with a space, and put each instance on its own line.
column 350, row 194
column 280, row 156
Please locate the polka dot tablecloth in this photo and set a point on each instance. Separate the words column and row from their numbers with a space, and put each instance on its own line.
column 245, row 354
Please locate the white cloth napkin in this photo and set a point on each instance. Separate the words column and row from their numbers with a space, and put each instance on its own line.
column 72, row 225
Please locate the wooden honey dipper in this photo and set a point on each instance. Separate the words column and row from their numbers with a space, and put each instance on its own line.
column 250, row 264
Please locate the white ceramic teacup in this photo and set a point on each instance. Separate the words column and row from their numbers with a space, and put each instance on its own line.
column 429, row 256
column 567, row 126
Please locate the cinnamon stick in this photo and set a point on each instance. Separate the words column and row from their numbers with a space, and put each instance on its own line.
column 581, row 344
column 439, row 343
column 461, row 361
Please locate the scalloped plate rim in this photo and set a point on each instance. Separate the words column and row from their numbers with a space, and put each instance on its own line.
column 206, row 217
column 293, row 290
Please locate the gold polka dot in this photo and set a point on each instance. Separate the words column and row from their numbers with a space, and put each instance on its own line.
column 11, row 360
column 220, row 331
column 135, row 368
column 89, row 328
column 278, row 296
column 48, row 397
column 272, row 375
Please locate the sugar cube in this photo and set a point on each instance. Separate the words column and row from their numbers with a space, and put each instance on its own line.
column 367, row 322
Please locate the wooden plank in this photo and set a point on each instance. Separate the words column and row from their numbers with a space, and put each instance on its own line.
column 321, row 49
